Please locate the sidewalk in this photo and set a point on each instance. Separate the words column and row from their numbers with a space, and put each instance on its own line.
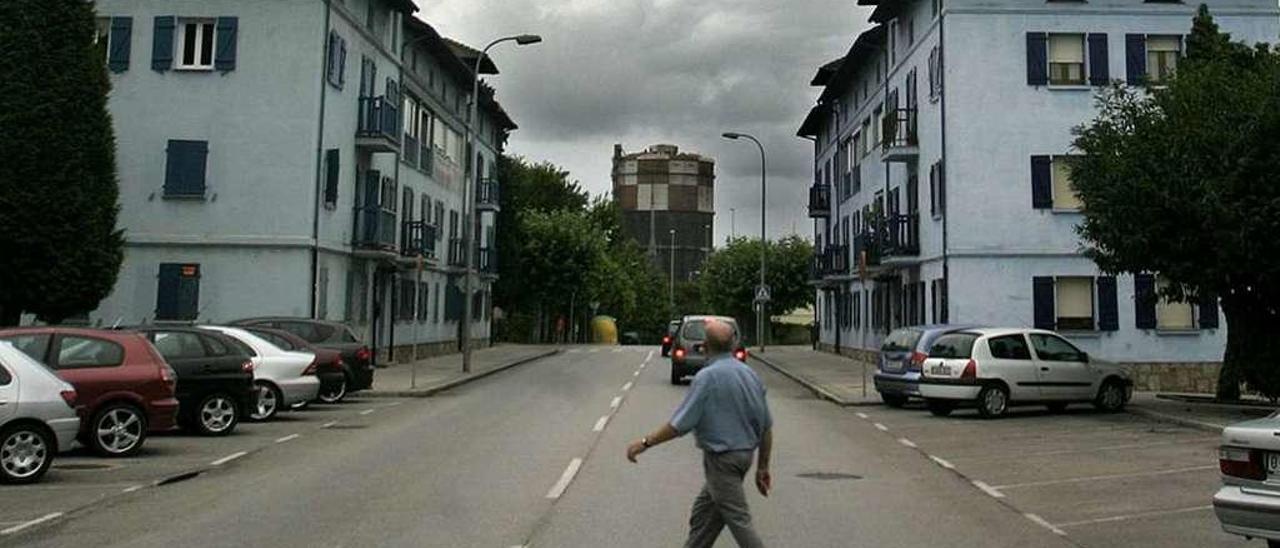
column 445, row 372
column 1207, row 416
column 838, row 379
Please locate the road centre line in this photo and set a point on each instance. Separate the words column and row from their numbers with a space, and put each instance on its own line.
column 328, row 424
column 617, row 400
column 1107, row 477
column 31, row 523
column 627, row 386
column 229, row 458
column 988, row 489
column 942, row 462
column 289, row 437
column 637, row 373
column 1136, row 516
column 907, row 442
column 881, row 427
column 600, row 424
column 560, row 486
column 366, row 411
column 1041, row 522
column 131, row 489
column 862, row 416
column 649, row 356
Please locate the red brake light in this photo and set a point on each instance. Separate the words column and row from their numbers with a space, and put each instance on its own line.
column 740, row 354
column 917, row 358
column 970, row 370
column 666, row 340
column 363, row 354
column 1241, row 463
column 247, row 366
column 678, row 354
column 69, row 396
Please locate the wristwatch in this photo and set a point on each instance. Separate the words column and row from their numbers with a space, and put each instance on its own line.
column 645, row 442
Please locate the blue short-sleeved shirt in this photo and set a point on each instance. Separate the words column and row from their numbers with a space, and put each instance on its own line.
column 725, row 407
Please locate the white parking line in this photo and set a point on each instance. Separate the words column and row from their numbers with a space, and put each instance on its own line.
column 1041, row 522
column 1024, row 456
column 601, row 423
column 637, row 373
column 907, row 442
column 988, row 489
column 33, row 522
column 289, row 437
column 1137, row 516
column 366, row 411
column 617, row 400
column 560, row 486
column 1106, row 477
column 131, row 489
column 881, row 427
column 626, row 387
column 229, row 458
column 862, row 415
column 328, row 424
column 942, row 462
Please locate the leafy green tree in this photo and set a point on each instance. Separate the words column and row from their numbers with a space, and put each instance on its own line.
column 731, row 274
column 1181, row 180
column 625, row 283
column 558, row 258
column 58, row 194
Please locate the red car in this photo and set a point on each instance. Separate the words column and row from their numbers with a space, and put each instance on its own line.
column 124, row 388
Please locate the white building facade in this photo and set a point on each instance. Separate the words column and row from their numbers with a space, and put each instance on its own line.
column 939, row 192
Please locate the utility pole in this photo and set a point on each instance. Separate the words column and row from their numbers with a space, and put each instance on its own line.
column 733, row 222
column 762, row 292
column 671, row 289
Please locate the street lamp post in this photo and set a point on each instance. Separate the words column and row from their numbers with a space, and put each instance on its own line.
column 733, row 222
column 763, row 304
column 468, row 198
column 671, row 288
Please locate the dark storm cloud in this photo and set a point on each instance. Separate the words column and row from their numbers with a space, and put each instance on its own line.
column 641, row 72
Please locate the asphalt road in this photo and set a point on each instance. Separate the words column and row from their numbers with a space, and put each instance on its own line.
column 534, row 456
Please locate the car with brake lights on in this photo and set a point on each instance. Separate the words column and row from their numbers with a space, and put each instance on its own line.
column 995, row 368
column 1248, row 503
column 903, row 351
column 688, row 351
column 38, row 416
column 669, row 337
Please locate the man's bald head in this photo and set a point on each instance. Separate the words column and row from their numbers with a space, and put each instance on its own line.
column 719, row 337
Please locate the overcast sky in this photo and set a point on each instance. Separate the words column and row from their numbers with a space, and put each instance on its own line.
column 640, row 72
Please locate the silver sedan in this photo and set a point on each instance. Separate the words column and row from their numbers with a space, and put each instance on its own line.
column 37, row 416
column 1248, row 503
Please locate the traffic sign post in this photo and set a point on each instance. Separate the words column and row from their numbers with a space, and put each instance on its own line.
column 762, row 294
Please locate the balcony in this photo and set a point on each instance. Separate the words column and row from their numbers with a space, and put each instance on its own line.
column 456, row 258
column 820, row 201
column 899, row 140
column 375, row 229
column 418, row 239
column 378, row 127
column 487, row 261
column 487, row 195
column 867, row 247
column 902, row 235
column 832, row 260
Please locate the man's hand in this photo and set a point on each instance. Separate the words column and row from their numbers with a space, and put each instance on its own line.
column 635, row 449
column 764, row 482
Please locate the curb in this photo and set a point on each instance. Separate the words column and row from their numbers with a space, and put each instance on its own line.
column 433, row 390
column 817, row 389
column 1174, row 419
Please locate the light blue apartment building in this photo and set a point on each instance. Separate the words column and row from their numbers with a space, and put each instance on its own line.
column 302, row 158
column 939, row 192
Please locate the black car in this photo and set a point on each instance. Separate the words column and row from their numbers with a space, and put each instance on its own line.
column 356, row 356
column 330, row 368
column 215, row 376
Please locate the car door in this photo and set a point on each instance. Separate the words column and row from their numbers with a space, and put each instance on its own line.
column 224, row 361
column 186, row 355
column 1015, row 366
column 1064, row 369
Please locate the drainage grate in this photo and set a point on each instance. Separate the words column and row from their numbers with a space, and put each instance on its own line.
column 178, row 478
column 829, row 476
column 83, row 466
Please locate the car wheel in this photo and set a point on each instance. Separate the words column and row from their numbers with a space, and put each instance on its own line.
column 334, row 393
column 1111, row 397
column 267, row 403
column 26, row 451
column 1056, row 407
column 894, row 400
column 117, row 430
column 993, row 401
column 216, row 415
column 940, row 408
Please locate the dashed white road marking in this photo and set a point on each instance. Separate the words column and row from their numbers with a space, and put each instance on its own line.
column 394, row 403
column 600, row 424
column 31, row 523
column 942, row 462
column 626, row 387
column 565, row 478
column 366, row 411
column 1137, row 516
column 907, row 442
column 328, row 424
column 617, row 400
column 131, row 489
column 1041, row 522
column 649, row 356
column 988, row 489
column 862, row 415
column 229, row 457
column 1107, row 477
column 289, row 437
column 637, row 373
column 881, row 427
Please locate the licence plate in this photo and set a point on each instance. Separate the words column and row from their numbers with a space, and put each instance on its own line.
column 940, row 370
column 1273, row 464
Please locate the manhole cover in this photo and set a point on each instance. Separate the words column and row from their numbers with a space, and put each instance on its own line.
column 348, row 426
column 76, row 466
column 827, row 476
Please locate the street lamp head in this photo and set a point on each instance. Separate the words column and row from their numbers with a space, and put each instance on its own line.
column 730, row 135
column 526, row 39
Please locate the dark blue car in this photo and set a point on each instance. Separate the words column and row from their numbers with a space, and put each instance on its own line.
column 903, row 351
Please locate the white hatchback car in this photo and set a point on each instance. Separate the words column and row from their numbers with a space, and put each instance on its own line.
column 995, row 368
column 37, row 416
column 282, row 378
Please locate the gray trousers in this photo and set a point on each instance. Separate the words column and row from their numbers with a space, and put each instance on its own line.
column 722, row 502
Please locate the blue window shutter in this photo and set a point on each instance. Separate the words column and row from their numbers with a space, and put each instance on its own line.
column 162, row 43
column 1144, row 301
column 1108, row 315
column 332, row 158
column 1099, row 62
column 1208, row 311
column 1135, row 54
column 167, row 291
column 342, row 61
column 1041, row 184
column 1042, row 301
column 227, row 28
column 189, row 292
column 331, row 59
column 120, row 44
column 1037, row 58
column 185, row 168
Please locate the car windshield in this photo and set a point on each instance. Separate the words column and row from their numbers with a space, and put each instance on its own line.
column 901, row 340
column 953, row 346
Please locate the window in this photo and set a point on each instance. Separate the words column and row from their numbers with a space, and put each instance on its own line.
column 322, row 293
column 435, row 310
column 935, row 73
column 439, row 220
column 424, row 290
column 1162, row 57
column 185, row 169
column 1074, row 298
column 1064, row 195
column 953, row 346
column 82, row 352
column 216, row 346
column 35, row 346
column 1172, row 314
column 178, row 292
column 937, row 190
column 175, row 345
column 1066, row 59
column 1055, row 349
column 875, row 127
column 195, row 44
column 102, row 36
column 332, row 170
column 336, row 60
column 1009, row 347
column 911, row 32
column 5, row 377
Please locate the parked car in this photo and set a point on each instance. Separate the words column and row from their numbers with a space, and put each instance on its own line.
column 124, row 388
column 1248, row 503
column 281, row 378
column 356, row 356
column 215, row 376
column 897, row 375
column 38, row 417
column 688, row 353
column 329, row 365
column 670, row 337
column 995, row 368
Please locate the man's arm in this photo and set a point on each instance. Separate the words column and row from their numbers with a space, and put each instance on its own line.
column 764, row 482
column 663, row 434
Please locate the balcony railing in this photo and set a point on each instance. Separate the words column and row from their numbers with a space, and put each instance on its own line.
column 456, row 258
column 418, row 239
column 898, row 136
column 375, row 228
column 867, row 247
column 379, row 120
column 411, row 150
column 832, row 260
column 820, row 201
column 487, row 194
column 487, row 260
column 902, row 235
